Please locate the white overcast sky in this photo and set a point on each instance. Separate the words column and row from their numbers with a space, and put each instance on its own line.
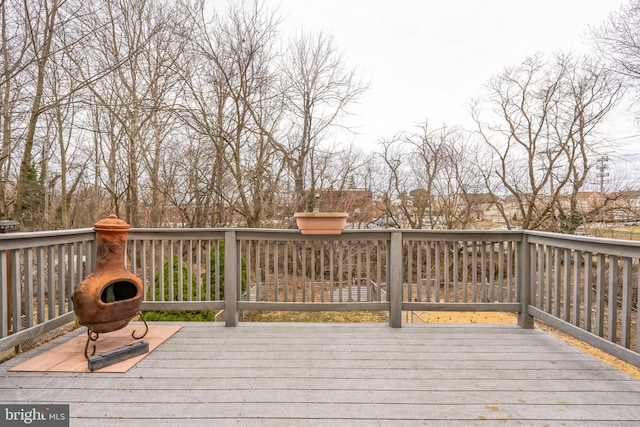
column 426, row 59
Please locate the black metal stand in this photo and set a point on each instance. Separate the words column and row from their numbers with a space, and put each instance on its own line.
column 116, row 355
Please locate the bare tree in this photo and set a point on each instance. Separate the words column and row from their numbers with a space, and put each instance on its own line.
column 543, row 133
column 319, row 89
column 15, row 58
column 232, row 88
column 432, row 176
column 394, row 180
column 618, row 42
column 41, row 29
column 130, row 104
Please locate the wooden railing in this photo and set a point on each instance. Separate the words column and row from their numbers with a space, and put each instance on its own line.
column 38, row 272
column 585, row 287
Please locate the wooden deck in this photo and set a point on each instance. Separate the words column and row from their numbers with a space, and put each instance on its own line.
column 284, row 374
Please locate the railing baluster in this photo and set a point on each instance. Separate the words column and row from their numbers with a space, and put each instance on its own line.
column 358, row 278
column 276, row 279
column 567, row 285
column 548, row 275
column 419, row 278
column 437, row 280
column 198, row 269
column 491, row 270
column 474, row 271
column 368, row 269
column 501, row 297
column 28, row 288
column 540, row 282
column 600, row 295
column 350, row 271
column 16, row 290
column 267, row 272
column 465, row 272
column 40, row 285
column 190, row 270
column 379, row 259
column 510, row 272
column 248, row 245
column 152, row 274
column 207, row 271
column 71, row 274
column 285, row 272
column 166, row 282
column 446, row 271
column 627, row 297
column 576, row 287
column 170, row 279
column 409, row 296
column 61, row 280
column 304, row 275
column 51, row 283
column 612, row 301
column 294, row 278
column 456, row 285
column 556, row 282
column 258, row 272
column 429, row 272
column 588, row 289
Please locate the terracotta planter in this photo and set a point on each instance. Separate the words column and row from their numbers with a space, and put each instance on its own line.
column 321, row 222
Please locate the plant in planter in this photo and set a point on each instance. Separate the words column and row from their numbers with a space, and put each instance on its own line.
column 315, row 222
column 321, row 222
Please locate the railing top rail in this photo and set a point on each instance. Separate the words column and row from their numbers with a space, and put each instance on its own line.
column 255, row 234
column 19, row 240
column 618, row 247
column 295, row 235
column 464, row 235
column 176, row 233
column 347, row 234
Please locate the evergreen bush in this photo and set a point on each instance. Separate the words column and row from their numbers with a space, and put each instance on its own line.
column 192, row 315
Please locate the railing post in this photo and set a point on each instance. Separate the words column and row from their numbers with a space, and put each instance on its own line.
column 525, row 283
column 395, row 279
column 231, row 278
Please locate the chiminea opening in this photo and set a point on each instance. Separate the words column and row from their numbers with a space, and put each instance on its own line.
column 118, row 291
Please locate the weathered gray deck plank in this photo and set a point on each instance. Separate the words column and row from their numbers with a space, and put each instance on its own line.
column 344, row 374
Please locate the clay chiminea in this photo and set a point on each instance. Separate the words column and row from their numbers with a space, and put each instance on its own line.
column 107, row 299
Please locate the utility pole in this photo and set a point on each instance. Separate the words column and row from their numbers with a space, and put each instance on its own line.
column 602, row 166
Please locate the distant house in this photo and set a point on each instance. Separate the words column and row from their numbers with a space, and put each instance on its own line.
column 625, row 206
column 484, row 207
column 587, row 201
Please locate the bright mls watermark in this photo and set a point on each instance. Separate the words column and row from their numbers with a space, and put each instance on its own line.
column 34, row 415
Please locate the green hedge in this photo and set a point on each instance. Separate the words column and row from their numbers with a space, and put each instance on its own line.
column 192, row 315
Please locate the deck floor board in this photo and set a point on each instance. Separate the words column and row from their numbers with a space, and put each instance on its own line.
column 342, row 374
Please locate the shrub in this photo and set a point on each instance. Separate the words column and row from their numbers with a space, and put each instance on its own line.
column 179, row 315
column 193, row 315
column 243, row 270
